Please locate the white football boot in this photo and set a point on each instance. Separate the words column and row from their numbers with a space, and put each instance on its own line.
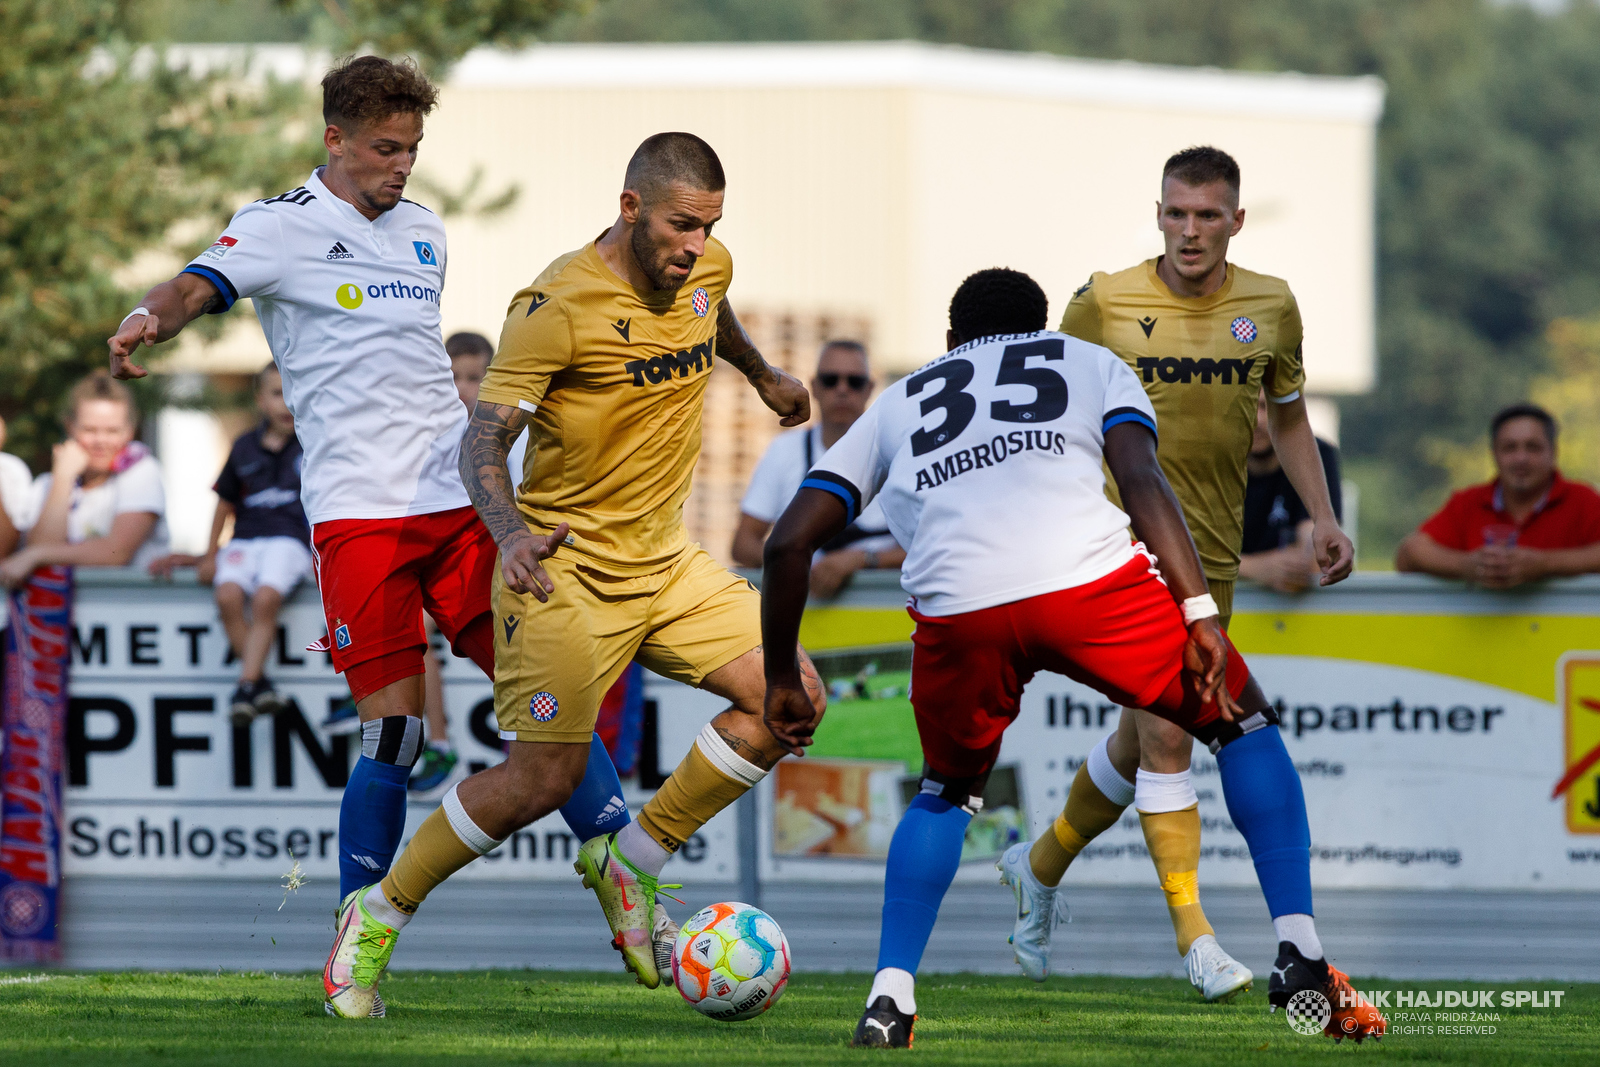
column 362, row 946
column 665, row 935
column 1038, row 911
column 1215, row 974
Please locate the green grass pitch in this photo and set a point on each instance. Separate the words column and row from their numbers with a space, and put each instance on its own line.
column 509, row 1017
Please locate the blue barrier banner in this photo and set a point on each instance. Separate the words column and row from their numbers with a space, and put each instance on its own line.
column 32, row 733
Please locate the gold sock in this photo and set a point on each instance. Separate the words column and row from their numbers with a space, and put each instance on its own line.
column 1088, row 814
column 1174, row 841
column 434, row 854
column 711, row 777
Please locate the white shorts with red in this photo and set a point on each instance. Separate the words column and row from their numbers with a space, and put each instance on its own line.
column 377, row 576
column 1122, row 635
column 253, row 563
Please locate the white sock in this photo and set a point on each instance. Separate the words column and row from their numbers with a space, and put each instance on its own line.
column 442, row 744
column 1155, row 793
column 642, row 850
column 1301, row 932
column 1105, row 776
column 901, row 986
column 379, row 908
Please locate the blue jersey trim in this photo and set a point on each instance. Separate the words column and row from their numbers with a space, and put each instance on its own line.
column 1122, row 415
column 225, row 288
column 829, row 482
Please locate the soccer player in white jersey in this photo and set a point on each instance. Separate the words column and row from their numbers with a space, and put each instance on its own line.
column 988, row 463
column 345, row 275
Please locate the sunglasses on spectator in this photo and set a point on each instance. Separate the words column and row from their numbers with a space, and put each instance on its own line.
column 858, row 382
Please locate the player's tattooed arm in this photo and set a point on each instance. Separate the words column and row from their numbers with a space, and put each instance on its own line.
column 484, row 448
column 488, row 440
column 778, row 389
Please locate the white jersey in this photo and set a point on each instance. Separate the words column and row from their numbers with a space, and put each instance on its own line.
column 988, row 463
column 350, row 308
column 777, row 478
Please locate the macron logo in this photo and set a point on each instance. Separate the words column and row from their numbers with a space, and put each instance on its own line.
column 339, row 251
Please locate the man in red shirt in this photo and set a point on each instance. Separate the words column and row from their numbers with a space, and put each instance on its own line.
column 1527, row 524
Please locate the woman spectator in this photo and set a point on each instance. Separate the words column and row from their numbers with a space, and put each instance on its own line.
column 16, row 501
column 102, row 504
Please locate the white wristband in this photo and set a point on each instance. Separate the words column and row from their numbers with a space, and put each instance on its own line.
column 1199, row 607
column 141, row 310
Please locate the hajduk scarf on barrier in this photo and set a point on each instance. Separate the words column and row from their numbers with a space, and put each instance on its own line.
column 32, row 727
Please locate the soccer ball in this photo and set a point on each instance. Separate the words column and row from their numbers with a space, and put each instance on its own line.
column 731, row 962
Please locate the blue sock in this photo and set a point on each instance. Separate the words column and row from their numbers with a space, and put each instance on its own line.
column 596, row 806
column 371, row 820
column 1266, row 803
column 923, row 857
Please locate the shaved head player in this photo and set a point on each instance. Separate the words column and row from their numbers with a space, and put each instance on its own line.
column 605, row 359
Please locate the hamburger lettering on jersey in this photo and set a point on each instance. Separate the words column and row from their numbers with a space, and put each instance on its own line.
column 988, row 463
column 350, row 308
column 1203, row 361
column 615, row 378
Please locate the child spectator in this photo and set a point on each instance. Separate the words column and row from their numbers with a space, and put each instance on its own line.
column 102, row 504
column 469, row 354
column 268, row 556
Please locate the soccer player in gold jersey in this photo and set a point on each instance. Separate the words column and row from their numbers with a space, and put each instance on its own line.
column 1207, row 338
column 605, row 358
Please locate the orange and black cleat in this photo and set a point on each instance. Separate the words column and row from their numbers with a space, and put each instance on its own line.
column 883, row 1025
column 1351, row 1014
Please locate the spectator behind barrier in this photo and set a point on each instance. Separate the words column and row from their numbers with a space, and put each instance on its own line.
column 102, row 504
column 470, row 354
column 842, row 387
column 1277, row 550
column 259, row 488
column 1529, row 523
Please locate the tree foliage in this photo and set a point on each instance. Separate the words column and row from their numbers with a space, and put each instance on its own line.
column 436, row 32
column 1488, row 174
column 114, row 155
column 104, row 153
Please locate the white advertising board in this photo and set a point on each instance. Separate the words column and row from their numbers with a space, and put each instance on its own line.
column 160, row 783
column 1430, row 727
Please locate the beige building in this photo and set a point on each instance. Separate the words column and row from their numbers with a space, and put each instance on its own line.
column 866, row 180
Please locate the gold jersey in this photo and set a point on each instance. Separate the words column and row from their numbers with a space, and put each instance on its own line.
column 1203, row 362
column 616, row 379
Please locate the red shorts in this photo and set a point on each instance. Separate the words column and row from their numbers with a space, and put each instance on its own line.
column 378, row 575
column 1122, row 635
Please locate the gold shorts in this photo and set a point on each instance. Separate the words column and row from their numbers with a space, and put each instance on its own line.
column 1222, row 593
column 554, row 662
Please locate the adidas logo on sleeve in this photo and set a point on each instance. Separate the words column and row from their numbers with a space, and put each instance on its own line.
column 339, row 251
